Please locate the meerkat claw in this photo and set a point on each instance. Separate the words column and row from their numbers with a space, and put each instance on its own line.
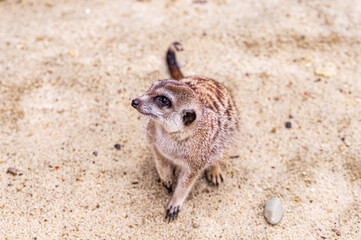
column 172, row 213
column 176, row 214
column 168, row 210
column 168, row 186
column 214, row 176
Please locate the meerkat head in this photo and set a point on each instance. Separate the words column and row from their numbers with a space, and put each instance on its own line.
column 171, row 103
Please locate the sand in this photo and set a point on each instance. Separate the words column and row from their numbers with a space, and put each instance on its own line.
column 68, row 70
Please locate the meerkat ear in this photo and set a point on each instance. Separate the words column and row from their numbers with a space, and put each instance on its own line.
column 188, row 117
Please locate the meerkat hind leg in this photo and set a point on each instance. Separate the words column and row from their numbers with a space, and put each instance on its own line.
column 214, row 175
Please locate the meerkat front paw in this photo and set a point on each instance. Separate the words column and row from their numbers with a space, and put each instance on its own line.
column 172, row 212
column 214, row 175
column 168, row 185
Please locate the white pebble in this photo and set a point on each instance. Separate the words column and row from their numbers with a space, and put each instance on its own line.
column 326, row 70
column 181, row 64
column 273, row 211
column 87, row 11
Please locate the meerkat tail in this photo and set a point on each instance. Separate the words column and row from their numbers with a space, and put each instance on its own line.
column 172, row 61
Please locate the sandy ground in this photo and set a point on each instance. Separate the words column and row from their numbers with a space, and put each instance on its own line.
column 68, row 70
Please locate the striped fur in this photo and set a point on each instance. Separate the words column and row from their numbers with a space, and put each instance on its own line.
column 192, row 148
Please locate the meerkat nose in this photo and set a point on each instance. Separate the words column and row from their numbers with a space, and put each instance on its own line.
column 135, row 103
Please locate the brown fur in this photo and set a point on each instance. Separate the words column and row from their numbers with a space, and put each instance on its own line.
column 190, row 134
column 172, row 61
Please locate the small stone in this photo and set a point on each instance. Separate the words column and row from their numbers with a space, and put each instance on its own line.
column 326, row 70
column 12, row 171
column 273, row 211
column 79, row 178
column 117, row 146
column 95, row 153
column 338, row 233
column 181, row 64
column 288, row 124
column 206, row 191
column 195, row 225
column 72, row 53
column 200, row 1
column 19, row 188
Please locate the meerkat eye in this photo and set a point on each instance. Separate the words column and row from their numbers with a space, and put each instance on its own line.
column 162, row 101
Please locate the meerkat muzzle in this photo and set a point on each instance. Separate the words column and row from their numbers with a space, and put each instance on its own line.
column 135, row 103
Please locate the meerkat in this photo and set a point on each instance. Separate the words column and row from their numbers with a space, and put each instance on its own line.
column 192, row 120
